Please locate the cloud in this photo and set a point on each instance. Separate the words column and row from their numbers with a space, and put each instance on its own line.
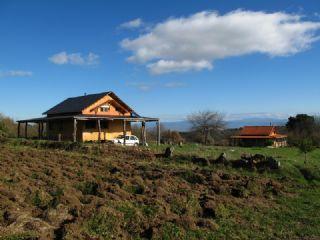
column 74, row 59
column 136, row 23
column 166, row 66
column 15, row 73
column 195, row 42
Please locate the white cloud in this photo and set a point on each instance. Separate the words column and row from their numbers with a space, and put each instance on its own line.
column 74, row 59
column 166, row 66
column 195, row 42
column 136, row 23
column 15, row 73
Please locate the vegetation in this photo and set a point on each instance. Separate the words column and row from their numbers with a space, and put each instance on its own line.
column 305, row 146
column 8, row 128
column 112, row 192
column 207, row 123
column 302, row 127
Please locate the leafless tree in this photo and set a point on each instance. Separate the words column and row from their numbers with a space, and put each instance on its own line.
column 208, row 123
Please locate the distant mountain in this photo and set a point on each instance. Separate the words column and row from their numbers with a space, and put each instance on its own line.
column 184, row 126
column 256, row 122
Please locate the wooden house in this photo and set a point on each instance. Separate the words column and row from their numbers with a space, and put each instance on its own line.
column 95, row 117
column 259, row 136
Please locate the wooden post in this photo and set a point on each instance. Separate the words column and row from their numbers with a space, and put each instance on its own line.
column 42, row 129
column 39, row 130
column 145, row 134
column 18, row 129
column 124, row 132
column 158, row 132
column 74, row 130
column 99, row 130
column 26, row 130
column 143, row 125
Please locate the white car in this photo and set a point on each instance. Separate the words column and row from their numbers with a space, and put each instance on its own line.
column 131, row 140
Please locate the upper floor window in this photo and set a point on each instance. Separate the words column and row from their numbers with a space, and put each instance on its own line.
column 104, row 108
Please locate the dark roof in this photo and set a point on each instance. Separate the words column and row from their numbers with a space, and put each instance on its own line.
column 77, row 104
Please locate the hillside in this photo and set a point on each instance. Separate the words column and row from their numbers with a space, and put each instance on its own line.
column 184, row 126
column 70, row 191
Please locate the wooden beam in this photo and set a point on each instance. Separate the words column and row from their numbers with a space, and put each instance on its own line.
column 18, row 130
column 99, row 130
column 26, row 130
column 74, row 130
column 158, row 132
column 124, row 132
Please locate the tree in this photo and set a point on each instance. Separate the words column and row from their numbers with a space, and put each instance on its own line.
column 302, row 125
column 207, row 123
column 306, row 146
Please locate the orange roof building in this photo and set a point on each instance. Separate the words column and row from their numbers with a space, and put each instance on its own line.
column 259, row 136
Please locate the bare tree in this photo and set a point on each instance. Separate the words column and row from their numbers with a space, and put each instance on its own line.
column 207, row 123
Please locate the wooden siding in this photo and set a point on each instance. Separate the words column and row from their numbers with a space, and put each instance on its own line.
column 65, row 130
column 94, row 109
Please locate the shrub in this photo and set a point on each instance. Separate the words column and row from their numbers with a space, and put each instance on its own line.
column 89, row 188
column 20, row 236
column 310, row 174
column 170, row 231
column 192, row 177
column 102, row 224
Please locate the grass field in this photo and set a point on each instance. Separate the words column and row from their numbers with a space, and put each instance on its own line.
column 50, row 191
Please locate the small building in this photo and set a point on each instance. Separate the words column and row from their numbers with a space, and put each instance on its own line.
column 259, row 136
column 96, row 117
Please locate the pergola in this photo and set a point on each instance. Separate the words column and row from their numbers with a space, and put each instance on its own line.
column 81, row 117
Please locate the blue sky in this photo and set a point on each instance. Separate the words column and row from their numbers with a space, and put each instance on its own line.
column 242, row 58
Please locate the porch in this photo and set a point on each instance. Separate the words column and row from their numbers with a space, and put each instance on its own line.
column 72, row 131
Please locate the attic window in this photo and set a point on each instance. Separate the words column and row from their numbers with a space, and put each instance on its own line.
column 104, row 108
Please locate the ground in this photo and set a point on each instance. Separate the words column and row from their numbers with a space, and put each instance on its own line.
column 70, row 191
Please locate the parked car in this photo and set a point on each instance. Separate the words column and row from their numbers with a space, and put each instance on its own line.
column 131, row 140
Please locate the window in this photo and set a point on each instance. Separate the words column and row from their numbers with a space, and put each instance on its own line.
column 133, row 138
column 104, row 124
column 105, row 108
column 90, row 124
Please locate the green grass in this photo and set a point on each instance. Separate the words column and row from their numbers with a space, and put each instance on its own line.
column 296, row 214
column 291, row 214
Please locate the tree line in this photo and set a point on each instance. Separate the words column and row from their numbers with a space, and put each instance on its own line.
column 207, row 127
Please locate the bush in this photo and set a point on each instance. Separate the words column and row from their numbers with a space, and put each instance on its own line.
column 3, row 137
column 89, row 188
column 102, row 224
column 20, row 236
column 310, row 174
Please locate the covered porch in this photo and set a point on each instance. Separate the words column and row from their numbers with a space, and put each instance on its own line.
column 71, row 127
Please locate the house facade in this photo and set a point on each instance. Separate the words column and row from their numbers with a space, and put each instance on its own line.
column 94, row 117
column 260, row 136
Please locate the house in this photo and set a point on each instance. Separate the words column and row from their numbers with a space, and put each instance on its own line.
column 259, row 136
column 95, row 117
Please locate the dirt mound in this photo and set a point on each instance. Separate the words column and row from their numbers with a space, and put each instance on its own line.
column 116, row 191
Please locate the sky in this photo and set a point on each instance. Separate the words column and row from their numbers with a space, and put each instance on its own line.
column 164, row 58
